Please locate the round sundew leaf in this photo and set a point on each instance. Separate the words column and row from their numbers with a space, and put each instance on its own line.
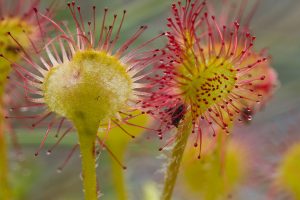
column 92, row 87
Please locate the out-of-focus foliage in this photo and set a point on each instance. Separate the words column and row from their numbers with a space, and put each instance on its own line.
column 288, row 171
column 220, row 170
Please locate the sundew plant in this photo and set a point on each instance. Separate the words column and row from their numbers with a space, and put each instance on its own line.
column 86, row 81
column 149, row 99
column 209, row 79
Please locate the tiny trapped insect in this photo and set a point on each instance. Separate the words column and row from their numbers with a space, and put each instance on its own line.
column 178, row 115
column 12, row 49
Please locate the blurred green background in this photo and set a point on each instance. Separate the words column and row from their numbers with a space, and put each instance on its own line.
column 276, row 26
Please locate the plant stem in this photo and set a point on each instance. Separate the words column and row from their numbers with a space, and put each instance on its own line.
column 183, row 133
column 119, row 182
column 87, row 137
column 5, row 189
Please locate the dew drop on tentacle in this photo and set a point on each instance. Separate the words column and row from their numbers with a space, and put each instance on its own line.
column 249, row 118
